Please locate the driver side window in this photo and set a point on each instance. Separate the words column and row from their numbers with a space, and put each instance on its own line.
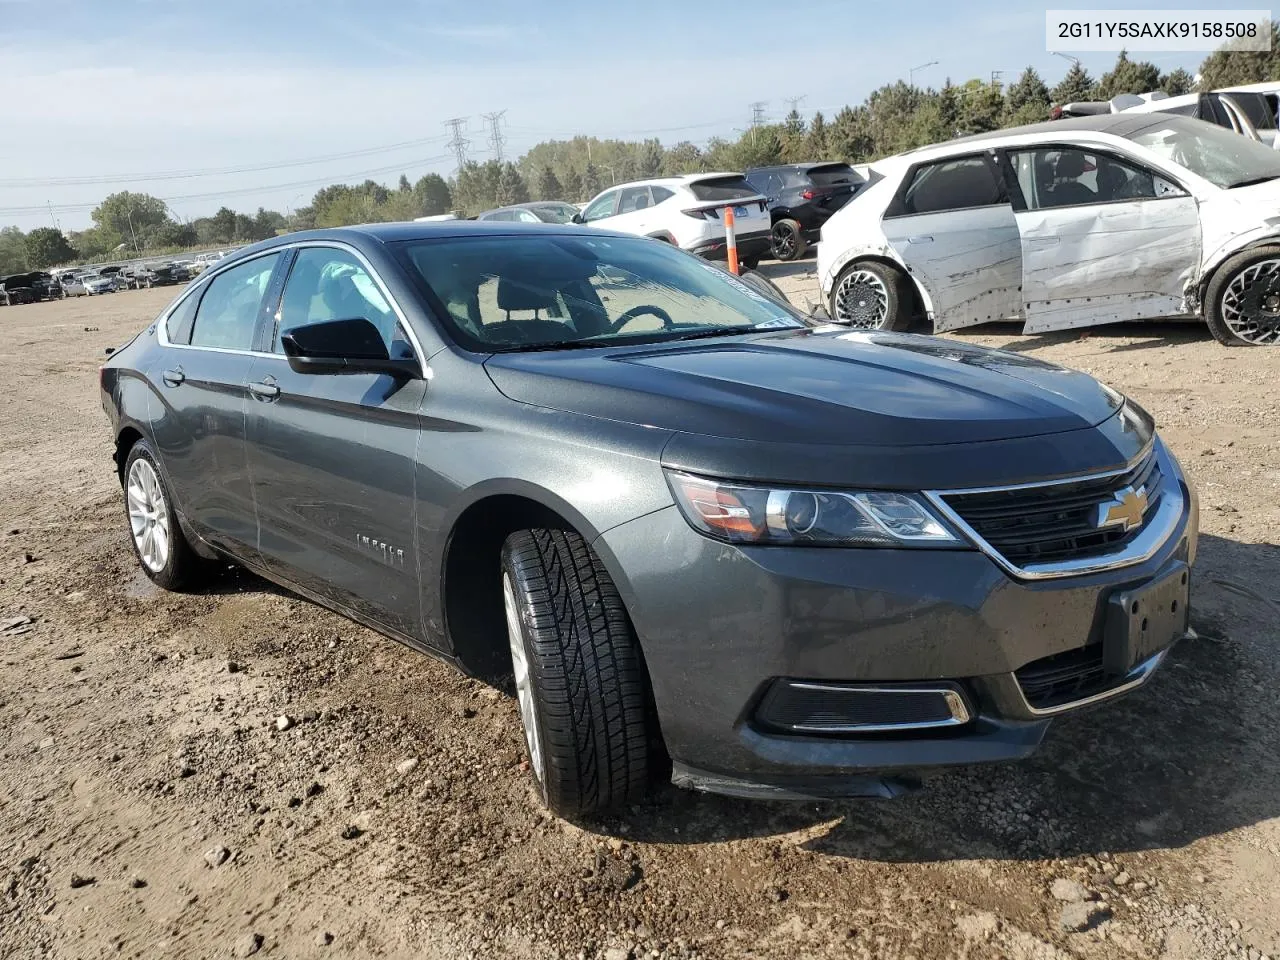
column 601, row 207
column 327, row 283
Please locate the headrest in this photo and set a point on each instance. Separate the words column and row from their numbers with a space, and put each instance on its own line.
column 519, row 295
column 1070, row 164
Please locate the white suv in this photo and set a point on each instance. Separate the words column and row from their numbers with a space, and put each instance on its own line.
column 688, row 211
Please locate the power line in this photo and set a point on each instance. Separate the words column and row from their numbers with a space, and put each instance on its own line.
column 210, row 171
column 496, row 139
column 240, row 191
column 458, row 143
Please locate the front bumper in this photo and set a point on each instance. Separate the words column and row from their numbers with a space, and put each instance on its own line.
column 720, row 624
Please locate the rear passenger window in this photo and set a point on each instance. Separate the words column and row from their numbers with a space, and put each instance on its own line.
column 178, row 326
column 228, row 311
column 660, row 194
column 958, row 184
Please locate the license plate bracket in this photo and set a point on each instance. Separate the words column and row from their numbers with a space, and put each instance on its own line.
column 1144, row 620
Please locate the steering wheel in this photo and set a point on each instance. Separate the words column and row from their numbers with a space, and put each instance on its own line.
column 640, row 311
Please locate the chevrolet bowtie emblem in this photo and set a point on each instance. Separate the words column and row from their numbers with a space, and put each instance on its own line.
column 1125, row 510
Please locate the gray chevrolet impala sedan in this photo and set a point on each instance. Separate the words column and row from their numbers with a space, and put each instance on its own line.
column 705, row 536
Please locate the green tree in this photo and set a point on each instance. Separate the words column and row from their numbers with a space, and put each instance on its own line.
column 548, row 185
column 130, row 214
column 48, row 247
column 403, row 186
column 1177, row 82
column 851, row 134
column 816, row 142
column 684, row 157
column 511, row 186
column 267, row 223
column 169, row 234
column 1027, row 99
column 1128, row 76
column 96, row 242
column 1075, row 86
column 590, row 180
column 574, row 190
column 224, row 225
column 648, row 160
column 476, row 186
column 981, row 107
column 432, row 195
column 13, row 251
column 1228, row 66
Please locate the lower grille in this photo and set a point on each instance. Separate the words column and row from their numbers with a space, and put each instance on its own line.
column 1055, row 522
column 811, row 707
column 1064, row 677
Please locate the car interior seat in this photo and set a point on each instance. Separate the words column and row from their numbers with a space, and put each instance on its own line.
column 1067, row 190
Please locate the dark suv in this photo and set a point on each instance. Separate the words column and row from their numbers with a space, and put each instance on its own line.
column 801, row 198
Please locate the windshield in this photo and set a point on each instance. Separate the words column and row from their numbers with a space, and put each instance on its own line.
column 564, row 291
column 1221, row 156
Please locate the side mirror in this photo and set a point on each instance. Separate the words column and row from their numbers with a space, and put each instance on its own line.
column 343, row 346
column 577, row 218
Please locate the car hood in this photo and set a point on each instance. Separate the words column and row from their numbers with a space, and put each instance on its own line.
column 820, row 386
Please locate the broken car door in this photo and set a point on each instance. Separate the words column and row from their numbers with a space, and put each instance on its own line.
column 1103, row 238
column 953, row 226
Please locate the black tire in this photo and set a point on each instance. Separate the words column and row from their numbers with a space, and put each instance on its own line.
column 766, row 286
column 788, row 240
column 590, row 695
column 181, row 565
column 895, row 312
column 1258, row 305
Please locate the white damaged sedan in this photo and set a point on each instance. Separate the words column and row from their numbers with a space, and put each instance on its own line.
column 1065, row 224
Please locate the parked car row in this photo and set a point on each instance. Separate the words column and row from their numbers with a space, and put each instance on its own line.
column 1062, row 225
column 778, row 211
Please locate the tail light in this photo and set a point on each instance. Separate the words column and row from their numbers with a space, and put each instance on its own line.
column 808, row 194
column 703, row 213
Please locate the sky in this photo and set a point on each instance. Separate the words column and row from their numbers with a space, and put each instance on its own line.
column 254, row 103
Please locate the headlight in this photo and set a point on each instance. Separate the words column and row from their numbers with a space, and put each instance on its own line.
column 742, row 513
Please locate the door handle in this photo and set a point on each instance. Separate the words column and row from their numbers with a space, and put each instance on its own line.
column 173, row 377
column 266, row 390
column 1043, row 241
column 919, row 239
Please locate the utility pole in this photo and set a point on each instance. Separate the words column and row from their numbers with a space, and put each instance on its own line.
column 458, row 143
column 57, row 226
column 496, row 138
column 757, row 116
column 995, row 77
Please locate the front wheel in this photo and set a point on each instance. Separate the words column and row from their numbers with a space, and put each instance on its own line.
column 1242, row 303
column 871, row 296
column 580, row 679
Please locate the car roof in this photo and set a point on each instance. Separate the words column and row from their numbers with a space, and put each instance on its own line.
column 1111, row 124
column 432, row 230
column 810, row 165
column 531, row 205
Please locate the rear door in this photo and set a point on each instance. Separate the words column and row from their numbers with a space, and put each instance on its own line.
column 952, row 224
column 198, row 425
column 1103, row 238
column 332, row 455
column 635, row 210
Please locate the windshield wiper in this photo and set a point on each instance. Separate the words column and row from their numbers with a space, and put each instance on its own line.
column 1254, row 181
column 647, row 336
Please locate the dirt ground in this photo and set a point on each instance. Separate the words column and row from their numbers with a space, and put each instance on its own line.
column 156, row 808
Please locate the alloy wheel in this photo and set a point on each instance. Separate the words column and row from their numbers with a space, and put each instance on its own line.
column 524, row 684
column 784, row 242
column 1251, row 303
column 861, row 300
column 148, row 515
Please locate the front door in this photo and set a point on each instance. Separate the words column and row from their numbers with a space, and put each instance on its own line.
column 332, row 455
column 198, row 424
column 953, row 226
column 1103, row 239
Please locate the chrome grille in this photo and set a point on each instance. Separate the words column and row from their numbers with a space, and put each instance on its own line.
column 1056, row 522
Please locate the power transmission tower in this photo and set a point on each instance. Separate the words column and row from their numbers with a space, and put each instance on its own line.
column 795, row 103
column 458, row 144
column 757, row 116
column 496, row 137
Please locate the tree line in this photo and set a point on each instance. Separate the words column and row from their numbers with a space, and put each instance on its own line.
column 893, row 118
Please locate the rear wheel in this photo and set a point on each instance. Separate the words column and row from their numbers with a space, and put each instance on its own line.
column 1242, row 303
column 579, row 675
column 871, row 296
column 158, row 541
column 788, row 240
